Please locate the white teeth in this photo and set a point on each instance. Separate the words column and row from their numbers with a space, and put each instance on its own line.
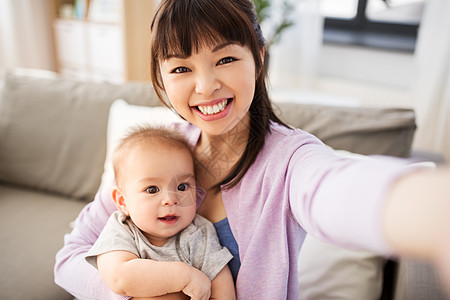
column 210, row 110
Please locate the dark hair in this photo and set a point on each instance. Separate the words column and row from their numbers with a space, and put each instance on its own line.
column 182, row 26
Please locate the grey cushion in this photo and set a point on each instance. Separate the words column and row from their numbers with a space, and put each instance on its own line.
column 386, row 131
column 33, row 228
column 53, row 131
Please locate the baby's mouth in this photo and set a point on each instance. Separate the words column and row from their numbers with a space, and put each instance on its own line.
column 169, row 219
column 214, row 109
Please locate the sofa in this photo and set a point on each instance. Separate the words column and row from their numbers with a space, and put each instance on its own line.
column 55, row 135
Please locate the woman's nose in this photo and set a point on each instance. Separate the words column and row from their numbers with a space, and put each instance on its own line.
column 206, row 83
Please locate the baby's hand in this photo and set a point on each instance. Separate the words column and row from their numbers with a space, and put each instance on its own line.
column 199, row 287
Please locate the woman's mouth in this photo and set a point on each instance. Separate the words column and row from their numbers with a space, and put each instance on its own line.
column 214, row 111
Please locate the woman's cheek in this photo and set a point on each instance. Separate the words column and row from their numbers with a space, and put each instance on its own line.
column 177, row 92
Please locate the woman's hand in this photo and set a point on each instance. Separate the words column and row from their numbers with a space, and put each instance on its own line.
column 199, row 287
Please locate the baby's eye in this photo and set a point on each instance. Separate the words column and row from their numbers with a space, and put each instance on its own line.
column 180, row 70
column 226, row 60
column 183, row 187
column 152, row 189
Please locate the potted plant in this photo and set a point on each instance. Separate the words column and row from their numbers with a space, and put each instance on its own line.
column 263, row 10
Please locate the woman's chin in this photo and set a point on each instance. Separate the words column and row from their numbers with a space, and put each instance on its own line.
column 236, row 126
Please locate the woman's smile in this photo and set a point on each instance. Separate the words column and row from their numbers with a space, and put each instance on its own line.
column 214, row 110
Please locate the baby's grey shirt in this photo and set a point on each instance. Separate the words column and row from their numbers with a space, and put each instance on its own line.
column 197, row 245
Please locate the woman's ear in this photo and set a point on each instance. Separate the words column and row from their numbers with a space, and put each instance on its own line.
column 119, row 201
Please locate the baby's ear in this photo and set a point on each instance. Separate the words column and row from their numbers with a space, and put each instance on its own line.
column 119, row 201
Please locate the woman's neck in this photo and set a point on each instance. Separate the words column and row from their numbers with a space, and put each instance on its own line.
column 216, row 155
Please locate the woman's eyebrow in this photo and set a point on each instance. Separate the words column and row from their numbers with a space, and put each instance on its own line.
column 176, row 55
column 215, row 49
column 223, row 45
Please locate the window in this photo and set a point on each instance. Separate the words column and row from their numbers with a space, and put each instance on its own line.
column 387, row 24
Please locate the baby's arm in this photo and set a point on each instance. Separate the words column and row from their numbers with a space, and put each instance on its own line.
column 126, row 274
column 222, row 286
column 174, row 296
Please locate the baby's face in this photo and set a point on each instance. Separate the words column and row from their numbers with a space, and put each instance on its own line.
column 158, row 185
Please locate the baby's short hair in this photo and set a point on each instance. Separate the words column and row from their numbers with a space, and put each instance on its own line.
column 158, row 135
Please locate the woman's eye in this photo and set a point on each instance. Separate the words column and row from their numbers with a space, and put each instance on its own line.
column 180, row 70
column 183, row 187
column 226, row 60
column 152, row 189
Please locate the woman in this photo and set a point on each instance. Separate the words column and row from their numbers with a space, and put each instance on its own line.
column 266, row 184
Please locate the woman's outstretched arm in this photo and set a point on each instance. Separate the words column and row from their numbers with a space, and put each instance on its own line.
column 383, row 205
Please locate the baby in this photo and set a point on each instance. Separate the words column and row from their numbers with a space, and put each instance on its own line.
column 156, row 244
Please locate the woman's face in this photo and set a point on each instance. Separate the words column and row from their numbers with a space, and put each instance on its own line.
column 213, row 88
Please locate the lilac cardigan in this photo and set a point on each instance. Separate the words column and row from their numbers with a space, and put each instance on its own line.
column 296, row 185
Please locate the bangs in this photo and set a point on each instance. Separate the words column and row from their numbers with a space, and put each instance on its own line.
column 188, row 25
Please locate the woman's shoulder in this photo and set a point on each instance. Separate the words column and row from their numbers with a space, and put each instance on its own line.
column 282, row 138
column 282, row 143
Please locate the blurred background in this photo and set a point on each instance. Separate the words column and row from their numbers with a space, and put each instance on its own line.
column 388, row 53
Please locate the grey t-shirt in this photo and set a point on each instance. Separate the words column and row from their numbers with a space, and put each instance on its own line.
column 197, row 245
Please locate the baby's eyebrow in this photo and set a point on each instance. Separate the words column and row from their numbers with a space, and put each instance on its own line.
column 187, row 176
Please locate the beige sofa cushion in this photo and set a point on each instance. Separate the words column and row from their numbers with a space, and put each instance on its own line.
column 34, row 225
column 363, row 130
column 53, row 131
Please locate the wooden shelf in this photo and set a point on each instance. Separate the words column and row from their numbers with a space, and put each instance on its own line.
column 115, row 49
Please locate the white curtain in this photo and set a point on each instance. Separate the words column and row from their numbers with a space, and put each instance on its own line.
column 294, row 60
column 432, row 86
column 25, row 34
